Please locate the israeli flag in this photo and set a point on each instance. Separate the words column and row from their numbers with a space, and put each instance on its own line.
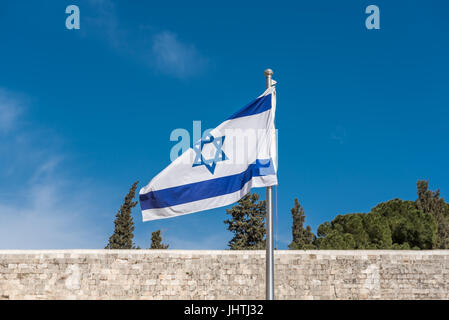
column 221, row 168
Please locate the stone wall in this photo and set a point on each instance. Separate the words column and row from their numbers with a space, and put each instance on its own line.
column 178, row 274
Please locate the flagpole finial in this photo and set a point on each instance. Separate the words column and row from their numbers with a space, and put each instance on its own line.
column 268, row 72
column 269, row 76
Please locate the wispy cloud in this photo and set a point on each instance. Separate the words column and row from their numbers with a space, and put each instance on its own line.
column 176, row 58
column 45, row 215
column 104, row 23
column 47, row 167
column 41, row 204
column 10, row 109
column 163, row 51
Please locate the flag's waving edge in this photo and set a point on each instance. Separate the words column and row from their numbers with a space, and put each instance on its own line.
column 219, row 170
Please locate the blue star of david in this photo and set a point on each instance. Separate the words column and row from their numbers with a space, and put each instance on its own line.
column 219, row 154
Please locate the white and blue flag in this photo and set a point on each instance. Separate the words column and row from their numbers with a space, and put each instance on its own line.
column 221, row 168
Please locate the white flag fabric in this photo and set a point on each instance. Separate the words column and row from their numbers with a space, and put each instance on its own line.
column 221, row 168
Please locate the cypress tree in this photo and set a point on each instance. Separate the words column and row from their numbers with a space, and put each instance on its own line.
column 156, row 241
column 122, row 238
column 303, row 238
column 247, row 223
column 430, row 202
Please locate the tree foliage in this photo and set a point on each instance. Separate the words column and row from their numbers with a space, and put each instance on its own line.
column 247, row 223
column 430, row 202
column 156, row 241
column 395, row 224
column 122, row 238
column 303, row 238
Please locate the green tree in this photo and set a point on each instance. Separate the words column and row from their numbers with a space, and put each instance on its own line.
column 247, row 223
column 156, row 241
column 122, row 238
column 409, row 226
column 303, row 238
column 334, row 239
column 395, row 224
column 430, row 202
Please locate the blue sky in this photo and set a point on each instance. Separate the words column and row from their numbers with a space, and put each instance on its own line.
column 362, row 114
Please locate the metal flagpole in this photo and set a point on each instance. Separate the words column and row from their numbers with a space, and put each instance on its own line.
column 269, row 207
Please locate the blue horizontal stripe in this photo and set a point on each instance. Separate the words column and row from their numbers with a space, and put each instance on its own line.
column 204, row 189
column 259, row 105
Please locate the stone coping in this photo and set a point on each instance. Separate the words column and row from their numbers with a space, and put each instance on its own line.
column 229, row 252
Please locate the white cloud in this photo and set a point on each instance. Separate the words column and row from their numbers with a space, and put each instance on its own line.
column 41, row 205
column 47, row 216
column 104, row 22
column 10, row 110
column 47, row 167
column 164, row 51
column 176, row 58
